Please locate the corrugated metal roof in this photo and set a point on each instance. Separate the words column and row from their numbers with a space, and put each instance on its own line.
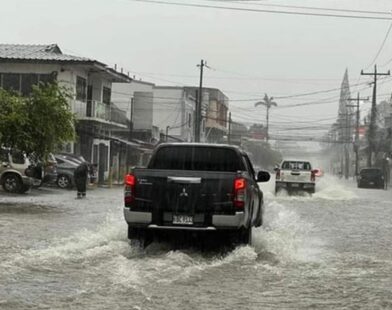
column 28, row 52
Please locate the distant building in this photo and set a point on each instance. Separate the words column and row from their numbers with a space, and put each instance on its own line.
column 174, row 113
column 215, row 106
column 238, row 131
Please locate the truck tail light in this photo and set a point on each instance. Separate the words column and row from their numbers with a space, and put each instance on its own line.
column 313, row 175
column 277, row 177
column 239, row 193
column 129, row 189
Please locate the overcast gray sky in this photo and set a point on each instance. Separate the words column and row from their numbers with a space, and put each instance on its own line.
column 250, row 53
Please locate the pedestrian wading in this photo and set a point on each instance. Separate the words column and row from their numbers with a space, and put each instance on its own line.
column 80, row 177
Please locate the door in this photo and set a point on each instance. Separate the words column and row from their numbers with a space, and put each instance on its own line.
column 103, row 162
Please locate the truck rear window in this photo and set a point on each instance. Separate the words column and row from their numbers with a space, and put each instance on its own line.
column 296, row 165
column 196, row 158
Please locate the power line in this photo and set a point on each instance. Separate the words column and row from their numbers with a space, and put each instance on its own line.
column 305, row 7
column 261, row 10
column 381, row 47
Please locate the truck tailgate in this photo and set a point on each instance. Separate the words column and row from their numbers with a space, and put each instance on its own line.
column 189, row 196
column 299, row 176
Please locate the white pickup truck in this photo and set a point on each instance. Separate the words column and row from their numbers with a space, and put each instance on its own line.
column 295, row 175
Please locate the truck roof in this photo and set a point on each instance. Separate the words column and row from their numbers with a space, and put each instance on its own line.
column 196, row 144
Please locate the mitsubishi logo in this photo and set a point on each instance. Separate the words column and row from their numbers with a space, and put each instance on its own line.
column 184, row 193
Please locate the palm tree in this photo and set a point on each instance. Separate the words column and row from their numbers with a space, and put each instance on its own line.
column 268, row 103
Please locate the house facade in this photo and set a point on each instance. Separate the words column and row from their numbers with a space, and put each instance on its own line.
column 90, row 82
column 174, row 113
column 215, row 106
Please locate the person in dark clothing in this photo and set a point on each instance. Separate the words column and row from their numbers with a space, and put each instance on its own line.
column 80, row 178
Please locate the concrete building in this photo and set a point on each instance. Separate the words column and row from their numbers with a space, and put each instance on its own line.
column 174, row 113
column 90, row 82
column 215, row 106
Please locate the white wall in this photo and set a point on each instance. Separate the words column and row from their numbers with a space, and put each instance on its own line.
column 122, row 94
column 171, row 108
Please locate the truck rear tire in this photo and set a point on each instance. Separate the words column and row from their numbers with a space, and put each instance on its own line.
column 259, row 220
column 139, row 237
column 244, row 235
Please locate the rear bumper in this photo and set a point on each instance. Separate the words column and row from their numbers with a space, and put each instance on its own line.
column 144, row 219
column 50, row 178
column 27, row 181
column 306, row 186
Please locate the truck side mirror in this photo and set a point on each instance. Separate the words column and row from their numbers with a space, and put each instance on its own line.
column 263, row 176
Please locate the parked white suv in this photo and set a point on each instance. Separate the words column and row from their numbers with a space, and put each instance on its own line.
column 15, row 171
column 295, row 175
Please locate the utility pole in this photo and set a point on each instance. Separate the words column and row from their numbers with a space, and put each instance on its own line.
column 372, row 125
column 199, row 102
column 229, row 134
column 356, row 143
column 167, row 133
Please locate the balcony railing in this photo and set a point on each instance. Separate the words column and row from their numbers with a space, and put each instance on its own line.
column 100, row 111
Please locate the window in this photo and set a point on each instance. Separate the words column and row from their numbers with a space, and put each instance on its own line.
column 106, row 95
column 11, row 81
column 3, row 156
column 249, row 165
column 23, row 82
column 17, row 157
column 296, row 165
column 47, row 78
column 28, row 80
column 81, row 88
column 197, row 158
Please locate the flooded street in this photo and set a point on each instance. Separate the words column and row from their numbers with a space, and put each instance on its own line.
column 329, row 251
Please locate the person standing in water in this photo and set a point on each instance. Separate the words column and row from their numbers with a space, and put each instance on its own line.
column 80, row 178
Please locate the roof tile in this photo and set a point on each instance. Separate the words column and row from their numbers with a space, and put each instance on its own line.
column 49, row 52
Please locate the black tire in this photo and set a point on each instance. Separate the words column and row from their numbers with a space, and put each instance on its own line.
column 24, row 189
column 64, row 181
column 244, row 235
column 259, row 220
column 277, row 190
column 12, row 183
column 139, row 237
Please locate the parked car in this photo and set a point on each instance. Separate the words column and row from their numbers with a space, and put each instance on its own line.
column 197, row 188
column 50, row 170
column 294, row 176
column 44, row 172
column 93, row 172
column 371, row 177
column 15, row 171
column 65, row 171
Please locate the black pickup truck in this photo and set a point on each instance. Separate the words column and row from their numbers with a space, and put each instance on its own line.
column 194, row 187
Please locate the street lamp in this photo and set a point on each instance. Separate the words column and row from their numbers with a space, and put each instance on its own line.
column 268, row 103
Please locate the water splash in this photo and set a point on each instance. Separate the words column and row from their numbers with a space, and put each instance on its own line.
column 285, row 237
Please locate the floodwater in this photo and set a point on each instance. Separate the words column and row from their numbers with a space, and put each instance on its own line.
column 329, row 251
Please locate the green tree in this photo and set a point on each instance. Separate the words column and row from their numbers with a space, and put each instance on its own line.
column 13, row 119
column 37, row 124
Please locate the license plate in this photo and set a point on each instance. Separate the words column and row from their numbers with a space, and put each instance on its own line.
column 183, row 219
column 294, row 185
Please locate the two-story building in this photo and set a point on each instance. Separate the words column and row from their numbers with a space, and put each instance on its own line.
column 215, row 106
column 90, row 82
